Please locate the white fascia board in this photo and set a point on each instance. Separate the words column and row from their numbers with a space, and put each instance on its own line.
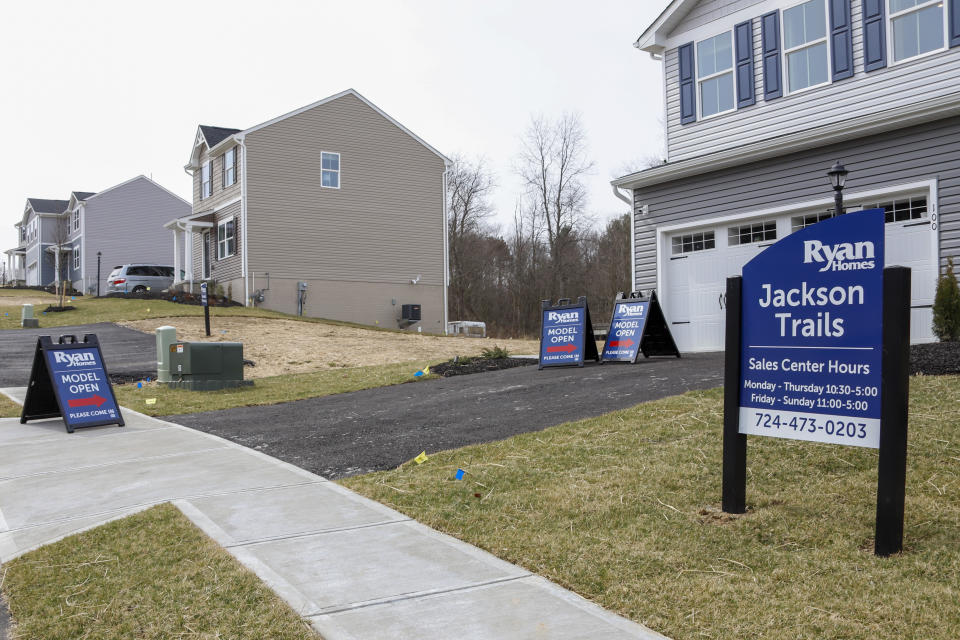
column 337, row 96
column 653, row 39
column 910, row 115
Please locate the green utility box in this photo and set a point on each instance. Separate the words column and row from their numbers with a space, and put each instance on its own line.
column 206, row 366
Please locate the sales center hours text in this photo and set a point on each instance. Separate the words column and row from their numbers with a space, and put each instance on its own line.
column 81, row 382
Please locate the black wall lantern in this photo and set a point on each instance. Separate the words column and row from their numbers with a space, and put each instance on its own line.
column 838, row 178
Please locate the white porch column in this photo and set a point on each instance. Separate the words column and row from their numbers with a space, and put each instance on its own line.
column 176, row 256
column 189, row 256
column 56, row 262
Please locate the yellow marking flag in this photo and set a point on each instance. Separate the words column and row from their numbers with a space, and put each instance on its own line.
column 420, row 459
column 151, row 401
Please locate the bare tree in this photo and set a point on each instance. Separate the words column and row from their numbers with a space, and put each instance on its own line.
column 469, row 187
column 553, row 163
column 61, row 231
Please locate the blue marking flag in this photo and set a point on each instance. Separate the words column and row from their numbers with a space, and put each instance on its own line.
column 460, row 474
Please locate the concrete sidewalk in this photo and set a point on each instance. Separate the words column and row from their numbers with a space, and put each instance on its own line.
column 354, row 568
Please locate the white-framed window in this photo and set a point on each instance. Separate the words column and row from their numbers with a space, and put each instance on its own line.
column 206, row 181
column 226, row 239
column 76, row 258
column 230, row 167
column 901, row 209
column 752, row 232
column 690, row 242
column 76, row 220
column 805, row 48
column 329, row 170
column 804, row 221
column 917, row 27
column 715, row 74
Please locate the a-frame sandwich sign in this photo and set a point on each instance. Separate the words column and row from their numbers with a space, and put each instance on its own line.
column 637, row 325
column 566, row 334
column 69, row 379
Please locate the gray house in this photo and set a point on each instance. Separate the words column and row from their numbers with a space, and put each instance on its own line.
column 762, row 97
column 61, row 239
column 334, row 210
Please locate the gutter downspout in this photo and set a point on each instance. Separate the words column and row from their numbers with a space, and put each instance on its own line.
column 633, row 235
column 448, row 167
column 244, row 259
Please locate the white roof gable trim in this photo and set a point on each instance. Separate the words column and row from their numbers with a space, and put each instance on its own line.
column 654, row 39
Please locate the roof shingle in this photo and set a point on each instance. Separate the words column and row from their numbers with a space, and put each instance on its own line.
column 216, row 135
column 41, row 205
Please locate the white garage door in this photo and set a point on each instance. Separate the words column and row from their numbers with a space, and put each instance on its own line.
column 696, row 263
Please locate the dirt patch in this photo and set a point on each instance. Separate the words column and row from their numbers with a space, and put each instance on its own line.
column 478, row 365
column 27, row 297
column 290, row 346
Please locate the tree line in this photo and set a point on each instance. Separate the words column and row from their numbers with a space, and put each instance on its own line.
column 553, row 248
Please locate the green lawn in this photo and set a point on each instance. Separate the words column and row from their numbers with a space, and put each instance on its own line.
column 625, row 510
column 265, row 391
column 151, row 575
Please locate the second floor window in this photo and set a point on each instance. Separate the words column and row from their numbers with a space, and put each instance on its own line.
column 230, row 167
column 805, row 45
column 206, row 182
column 715, row 74
column 330, row 170
column 226, row 239
column 76, row 220
column 916, row 26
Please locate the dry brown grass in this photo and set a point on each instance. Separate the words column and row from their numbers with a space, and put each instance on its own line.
column 291, row 346
column 625, row 510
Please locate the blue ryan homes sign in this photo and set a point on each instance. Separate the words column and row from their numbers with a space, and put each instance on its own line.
column 626, row 330
column 566, row 335
column 811, row 334
column 68, row 379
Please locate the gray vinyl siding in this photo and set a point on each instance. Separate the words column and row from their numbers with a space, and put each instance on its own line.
column 384, row 226
column 219, row 195
column 708, row 11
column 918, row 153
column 899, row 85
column 126, row 224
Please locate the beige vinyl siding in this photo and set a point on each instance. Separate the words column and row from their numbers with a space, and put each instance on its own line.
column 383, row 226
column 219, row 195
column 229, row 268
column 865, row 93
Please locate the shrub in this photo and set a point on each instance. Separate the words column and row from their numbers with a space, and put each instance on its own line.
column 494, row 353
column 946, row 306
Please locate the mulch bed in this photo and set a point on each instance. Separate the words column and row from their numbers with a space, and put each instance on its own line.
column 53, row 309
column 180, row 297
column 478, row 365
column 935, row 359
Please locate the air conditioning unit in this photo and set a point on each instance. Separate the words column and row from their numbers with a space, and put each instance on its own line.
column 410, row 313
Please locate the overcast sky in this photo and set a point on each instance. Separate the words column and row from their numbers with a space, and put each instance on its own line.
column 95, row 93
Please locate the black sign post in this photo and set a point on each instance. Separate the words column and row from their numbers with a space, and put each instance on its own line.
column 206, row 306
column 69, row 379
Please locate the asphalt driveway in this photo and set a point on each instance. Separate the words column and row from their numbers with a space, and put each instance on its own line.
column 378, row 429
column 124, row 350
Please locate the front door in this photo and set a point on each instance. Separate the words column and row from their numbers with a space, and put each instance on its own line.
column 205, row 255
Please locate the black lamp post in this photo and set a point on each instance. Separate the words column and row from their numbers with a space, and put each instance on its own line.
column 838, row 178
column 98, row 274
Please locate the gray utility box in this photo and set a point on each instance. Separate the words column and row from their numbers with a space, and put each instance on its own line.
column 206, row 366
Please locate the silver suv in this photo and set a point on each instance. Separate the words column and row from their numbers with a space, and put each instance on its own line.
column 139, row 278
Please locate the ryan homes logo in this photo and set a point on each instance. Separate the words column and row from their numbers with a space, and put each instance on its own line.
column 74, row 359
column 631, row 310
column 563, row 317
column 844, row 256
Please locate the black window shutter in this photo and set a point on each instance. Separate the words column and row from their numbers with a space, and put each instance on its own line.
column 953, row 16
column 743, row 47
column 841, row 39
column 772, row 73
column 874, row 35
column 236, row 234
column 223, row 172
column 688, row 90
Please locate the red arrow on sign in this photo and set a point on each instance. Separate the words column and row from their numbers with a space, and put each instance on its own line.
column 568, row 348
column 86, row 402
column 621, row 343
